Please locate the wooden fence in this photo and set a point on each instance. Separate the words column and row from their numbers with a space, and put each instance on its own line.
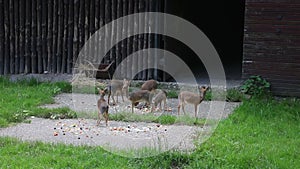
column 38, row 36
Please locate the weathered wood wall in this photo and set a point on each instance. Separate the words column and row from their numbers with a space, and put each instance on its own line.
column 272, row 43
column 38, row 36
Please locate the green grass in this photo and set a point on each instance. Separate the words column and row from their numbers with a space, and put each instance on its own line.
column 261, row 133
column 162, row 119
column 20, row 99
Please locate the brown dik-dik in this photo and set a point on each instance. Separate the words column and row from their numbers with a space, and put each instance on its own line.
column 159, row 98
column 187, row 97
column 102, row 108
column 117, row 87
column 138, row 96
column 150, row 85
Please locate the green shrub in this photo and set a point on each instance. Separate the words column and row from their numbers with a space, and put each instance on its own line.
column 256, row 85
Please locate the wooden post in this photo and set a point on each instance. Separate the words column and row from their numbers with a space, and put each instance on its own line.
column 107, row 32
column 55, row 36
column 87, row 29
column 135, row 38
column 17, row 36
column 113, row 32
column 102, row 35
column 146, row 27
column 12, row 37
column 44, row 34
column 50, row 36
column 33, row 38
column 65, row 37
column 2, row 34
column 92, row 31
column 76, row 46
column 130, row 39
column 28, row 37
column 22, row 36
column 70, row 37
column 81, row 23
column 6, row 37
column 39, row 36
column 118, row 36
column 141, row 39
column 60, row 35
column 124, row 42
column 150, row 39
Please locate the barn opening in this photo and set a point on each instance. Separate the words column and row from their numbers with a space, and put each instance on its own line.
column 223, row 24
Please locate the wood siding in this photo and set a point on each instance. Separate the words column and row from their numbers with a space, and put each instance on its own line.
column 45, row 36
column 272, row 44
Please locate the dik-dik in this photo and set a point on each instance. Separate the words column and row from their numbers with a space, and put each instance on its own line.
column 187, row 97
column 117, row 87
column 149, row 85
column 102, row 108
column 138, row 96
column 159, row 98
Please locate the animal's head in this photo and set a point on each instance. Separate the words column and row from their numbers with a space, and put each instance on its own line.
column 102, row 92
column 203, row 90
column 126, row 83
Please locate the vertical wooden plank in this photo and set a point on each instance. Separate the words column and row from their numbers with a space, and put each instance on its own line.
column 130, row 25
column 50, row 36
column 44, row 34
column 97, row 26
column 102, row 35
column 2, row 34
column 55, row 36
column 22, row 35
column 87, row 29
column 141, row 39
column 124, row 42
column 39, row 36
column 60, row 35
column 81, row 23
column 28, row 37
column 76, row 46
column 145, row 43
column 6, row 38
column 150, row 39
column 119, row 25
column 113, row 31
column 34, row 62
column 17, row 36
column 12, row 37
column 70, row 37
column 107, row 32
column 65, row 38
column 92, row 31
column 135, row 38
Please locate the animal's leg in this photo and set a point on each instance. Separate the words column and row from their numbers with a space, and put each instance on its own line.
column 196, row 110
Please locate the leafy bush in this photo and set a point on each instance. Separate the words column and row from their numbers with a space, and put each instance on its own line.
column 256, row 85
column 172, row 94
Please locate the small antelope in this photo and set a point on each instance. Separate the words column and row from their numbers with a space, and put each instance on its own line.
column 102, row 107
column 191, row 98
column 117, row 87
column 159, row 98
column 138, row 96
column 150, row 85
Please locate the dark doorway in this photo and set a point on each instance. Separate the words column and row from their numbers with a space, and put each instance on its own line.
column 223, row 24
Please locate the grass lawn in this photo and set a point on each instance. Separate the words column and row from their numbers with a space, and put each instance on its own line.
column 261, row 133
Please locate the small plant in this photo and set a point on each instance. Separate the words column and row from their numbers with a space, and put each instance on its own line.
column 255, row 85
column 166, row 119
column 172, row 94
column 234, row 95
